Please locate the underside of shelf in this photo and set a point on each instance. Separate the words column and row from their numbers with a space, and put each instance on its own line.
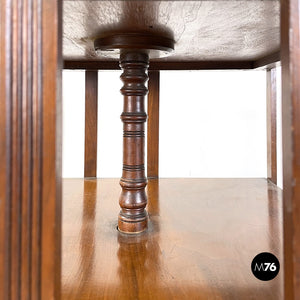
column 202, row 30
column 202, row 237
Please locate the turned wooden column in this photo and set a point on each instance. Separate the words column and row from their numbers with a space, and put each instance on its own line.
column 134, row 50
column 133, row 199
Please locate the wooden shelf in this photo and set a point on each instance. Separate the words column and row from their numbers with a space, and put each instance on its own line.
column 241, row 31
column 202, row 238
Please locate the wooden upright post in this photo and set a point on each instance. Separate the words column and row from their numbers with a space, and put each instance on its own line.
column 30, row 149
column 153, row 126
column 271, row 125
column 290, row 61
column 91, row 112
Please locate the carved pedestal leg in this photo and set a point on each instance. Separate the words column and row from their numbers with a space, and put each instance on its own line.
column 133, row 199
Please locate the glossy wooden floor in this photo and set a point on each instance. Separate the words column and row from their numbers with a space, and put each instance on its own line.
column 202, row 238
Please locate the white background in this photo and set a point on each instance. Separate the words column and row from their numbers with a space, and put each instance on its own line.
column 212, row 124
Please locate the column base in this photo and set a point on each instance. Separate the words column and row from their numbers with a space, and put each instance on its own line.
column 132, row 225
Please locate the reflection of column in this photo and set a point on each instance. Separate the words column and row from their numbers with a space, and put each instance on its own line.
column 87, row 235
column 133, row 255
column 140, row 266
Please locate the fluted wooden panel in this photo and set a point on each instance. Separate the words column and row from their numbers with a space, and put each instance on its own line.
column 30, row 183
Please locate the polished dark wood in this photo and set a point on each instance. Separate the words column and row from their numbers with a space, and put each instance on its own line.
column 153, row 125
column 91, row 118
column 52, row 133
column 272, row 124
column 202, row 30
column 111, row 44
column 190, row 251
column 91, row 65
column 30, row 148
column 290, row 59
column 164, row 65
column 133, row 199
column 30, row 184
column 5, row 129
column 268, row 62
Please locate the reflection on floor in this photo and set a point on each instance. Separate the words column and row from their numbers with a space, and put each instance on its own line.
column 202, row 237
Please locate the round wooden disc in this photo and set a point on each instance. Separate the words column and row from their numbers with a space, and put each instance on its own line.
column 112, row 45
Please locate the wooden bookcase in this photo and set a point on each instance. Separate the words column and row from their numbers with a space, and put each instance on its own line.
column 34, row 50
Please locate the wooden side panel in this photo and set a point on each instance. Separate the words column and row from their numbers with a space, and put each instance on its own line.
column 30, row 147
column 36, row 152
column 153, row 125
column 5, row 145
column 271, row 125
column 290, row 58
column 91, row 109
column 51, row 149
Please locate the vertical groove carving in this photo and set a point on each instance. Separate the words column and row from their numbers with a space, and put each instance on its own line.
column 133, row 199
column 30, row 194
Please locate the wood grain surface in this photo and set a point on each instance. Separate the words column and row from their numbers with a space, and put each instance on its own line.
column 91, row 123
column 153, row 125
column 290, row 58
column 202, row 237
column 30, row 149
column 202, row 30
column 133, row 200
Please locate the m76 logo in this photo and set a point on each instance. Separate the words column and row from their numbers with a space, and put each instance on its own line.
column 265, row 267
